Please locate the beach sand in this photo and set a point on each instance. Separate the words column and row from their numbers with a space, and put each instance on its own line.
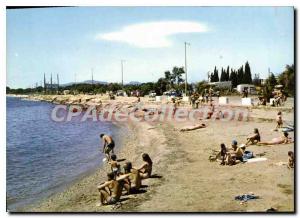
column 185, row 180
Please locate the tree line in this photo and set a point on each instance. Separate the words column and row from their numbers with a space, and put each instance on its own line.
column 238, row 76
column 174, row 80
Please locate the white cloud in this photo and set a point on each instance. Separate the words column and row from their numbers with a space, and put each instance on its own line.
column 153, row 34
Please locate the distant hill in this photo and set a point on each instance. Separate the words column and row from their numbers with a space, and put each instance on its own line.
column 133, row 83
column 84, row 82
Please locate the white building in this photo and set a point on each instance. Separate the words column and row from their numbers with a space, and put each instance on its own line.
column 224, row 84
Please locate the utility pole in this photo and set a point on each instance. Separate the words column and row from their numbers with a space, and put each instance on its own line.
column 44, row 83
column 185, row 67
column 57, row 82
column 92, row 70
column 51, row 83
column 122, row 71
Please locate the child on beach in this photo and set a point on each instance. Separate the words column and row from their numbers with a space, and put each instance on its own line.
column 279, row 121
column 223, row 153
column 291, row 160
column 115, row 167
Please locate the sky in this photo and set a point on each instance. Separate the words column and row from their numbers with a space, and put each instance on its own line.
column 74, row 41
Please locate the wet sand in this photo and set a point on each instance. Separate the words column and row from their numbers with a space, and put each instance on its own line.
column 185, row 180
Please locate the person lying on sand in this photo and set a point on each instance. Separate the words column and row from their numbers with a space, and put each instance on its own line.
column 284, row 139
column 110, row 191
column 291, row 160
column 254, row 138
column 115, row 166
column 279, row 121
column 189, row 128
column 146, row 169
column 108, row 145
column 132, row 179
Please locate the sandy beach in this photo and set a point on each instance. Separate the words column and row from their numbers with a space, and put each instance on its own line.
column 184, row 178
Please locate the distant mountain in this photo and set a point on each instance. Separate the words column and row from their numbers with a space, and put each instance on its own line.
column 84, row 82
column 133, row 83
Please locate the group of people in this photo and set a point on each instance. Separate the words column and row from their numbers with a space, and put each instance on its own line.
column 121, row 180
column 237, row 154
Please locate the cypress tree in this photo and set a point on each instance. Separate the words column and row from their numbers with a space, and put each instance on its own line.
column 227, row 74
column 223, row 75
column 247, row 75
column 233, row 78
column 240, row 75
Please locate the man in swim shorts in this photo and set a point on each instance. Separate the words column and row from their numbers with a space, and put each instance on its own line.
column 108, row 145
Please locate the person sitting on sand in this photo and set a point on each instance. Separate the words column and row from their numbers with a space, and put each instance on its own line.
column 291, row 160
column 108, row 145
column 284, row 139
column 223, row 153
column 115, row 166
column 254, row 138
column 110, row 191
column 237, row 151
column 189, row 128
column 279, row 120
column 146, row 169
column 132, row 179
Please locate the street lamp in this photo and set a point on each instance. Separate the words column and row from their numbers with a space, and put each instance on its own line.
column 185, row 66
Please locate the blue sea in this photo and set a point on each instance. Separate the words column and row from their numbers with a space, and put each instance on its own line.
column 44, row 156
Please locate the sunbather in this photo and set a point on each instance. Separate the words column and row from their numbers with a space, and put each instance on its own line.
column 237, row 151
column 146, row 169
column 189, row 128
column 254, row 138
column 284, row 139
column 291, row 160
column 115, row 166
column 133, row 180
column 110, row 191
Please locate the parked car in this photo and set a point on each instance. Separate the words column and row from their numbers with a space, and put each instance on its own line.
column 152, row 94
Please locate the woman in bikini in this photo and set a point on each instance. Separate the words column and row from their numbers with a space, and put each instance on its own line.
column 279, row 140
column 146, row 169
column 255, row 138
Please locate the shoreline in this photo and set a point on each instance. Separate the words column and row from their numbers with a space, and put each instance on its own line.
column 186, row 181
column 85, row 189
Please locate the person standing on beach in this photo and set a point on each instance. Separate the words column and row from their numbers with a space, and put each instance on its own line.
column 279, row 121
column 108, row 145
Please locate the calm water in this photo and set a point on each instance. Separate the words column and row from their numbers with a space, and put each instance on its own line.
column 44, row 156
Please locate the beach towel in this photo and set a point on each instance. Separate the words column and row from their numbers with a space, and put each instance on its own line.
column 256, row 159
column 287, row 129
column 246, row 197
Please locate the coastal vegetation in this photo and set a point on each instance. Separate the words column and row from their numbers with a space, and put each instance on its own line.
column 174, row 80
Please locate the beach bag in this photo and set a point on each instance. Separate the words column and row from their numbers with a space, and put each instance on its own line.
column 248, row 155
